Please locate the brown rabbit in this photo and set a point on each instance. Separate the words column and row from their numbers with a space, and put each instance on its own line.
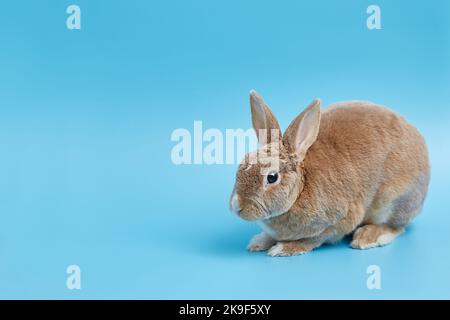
column 355, row 166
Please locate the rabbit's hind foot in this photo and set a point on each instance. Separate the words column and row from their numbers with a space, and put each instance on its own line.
column 374, row 235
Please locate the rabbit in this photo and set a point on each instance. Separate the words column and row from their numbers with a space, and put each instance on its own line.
column 355, row 168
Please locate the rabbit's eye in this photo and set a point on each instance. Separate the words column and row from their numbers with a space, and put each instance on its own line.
column 272, row 177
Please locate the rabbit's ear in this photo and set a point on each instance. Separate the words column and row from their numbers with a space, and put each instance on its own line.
column 303, row 130
column 264, row 122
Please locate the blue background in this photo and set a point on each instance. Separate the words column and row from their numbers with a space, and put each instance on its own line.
column 86, row 116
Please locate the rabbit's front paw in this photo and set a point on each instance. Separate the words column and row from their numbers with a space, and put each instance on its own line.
column 287, row 249
column 260, row 242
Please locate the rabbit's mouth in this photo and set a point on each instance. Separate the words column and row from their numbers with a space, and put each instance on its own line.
column 253, row 210
column 249, row 208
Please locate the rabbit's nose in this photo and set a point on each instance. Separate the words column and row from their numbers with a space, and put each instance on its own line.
column 235, row 205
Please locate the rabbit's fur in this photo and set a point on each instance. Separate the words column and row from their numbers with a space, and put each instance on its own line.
column 355, row 166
